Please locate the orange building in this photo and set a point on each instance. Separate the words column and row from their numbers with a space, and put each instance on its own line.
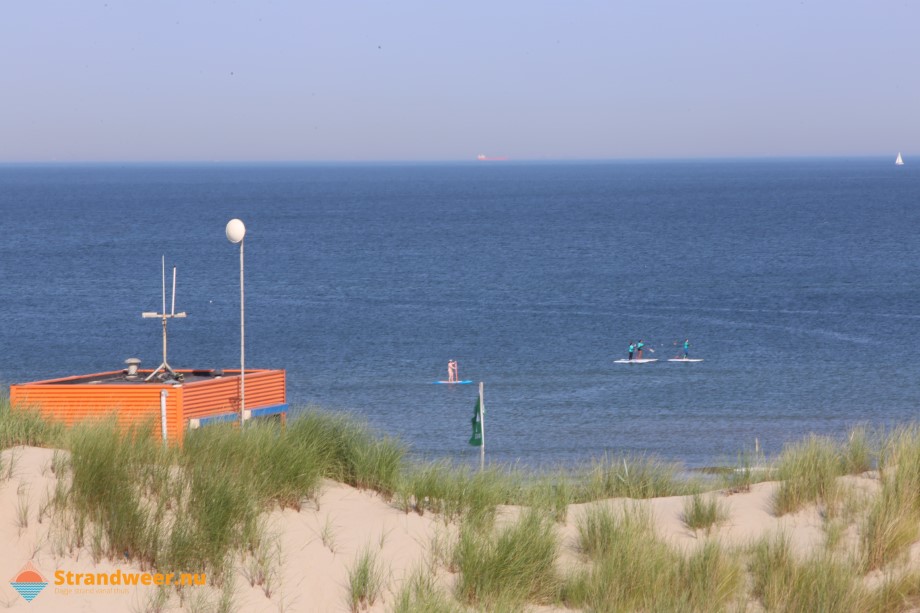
column 190, row 399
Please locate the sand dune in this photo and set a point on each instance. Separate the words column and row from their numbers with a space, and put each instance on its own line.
column 315, row 547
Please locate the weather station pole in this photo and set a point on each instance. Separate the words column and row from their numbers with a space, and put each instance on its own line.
column 236, row 231
column 164, row 370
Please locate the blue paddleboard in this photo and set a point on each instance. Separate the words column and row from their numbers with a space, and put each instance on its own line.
column 454, row 382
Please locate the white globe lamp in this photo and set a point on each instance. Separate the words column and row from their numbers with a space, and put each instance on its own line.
column 236, row 230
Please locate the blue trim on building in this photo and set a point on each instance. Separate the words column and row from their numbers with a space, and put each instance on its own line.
column 276, row 409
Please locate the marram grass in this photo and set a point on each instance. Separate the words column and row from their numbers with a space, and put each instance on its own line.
column 26, row 427
column 703, row 512
column 808, row 472
column 631, row 569
column 365, row 581
column 198, row 507
column 809, row 469
column 782, row 582
column 421, row 594
column 633, row 477
column 510, row 566
column 455, row 491
column 192, row 507
column 892, row 523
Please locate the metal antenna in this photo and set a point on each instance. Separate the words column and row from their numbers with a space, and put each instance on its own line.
column 164, row 316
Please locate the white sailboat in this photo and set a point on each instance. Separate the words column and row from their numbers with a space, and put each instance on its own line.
column 899, row 161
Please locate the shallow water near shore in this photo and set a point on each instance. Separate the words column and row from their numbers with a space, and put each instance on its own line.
column 795, row 280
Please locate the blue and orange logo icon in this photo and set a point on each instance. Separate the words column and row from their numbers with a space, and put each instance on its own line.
column 29, row 582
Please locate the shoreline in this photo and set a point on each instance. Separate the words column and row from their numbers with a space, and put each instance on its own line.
column 415, row 534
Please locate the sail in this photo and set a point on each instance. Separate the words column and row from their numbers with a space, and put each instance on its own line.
column 899, row 161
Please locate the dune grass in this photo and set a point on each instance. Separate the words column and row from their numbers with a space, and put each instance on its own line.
column 421, row 594
column 703, row 512
column 892, row 522
column 898, row 592
column 365, row 581
column 346, row 450
column 749, row 468
column 631, row 569
column 510, row 567
column 26, row 427
column 456, row 492
column 191, row 507
column 822, row 582
column 860, row 451
column 551, row 492
column 889, row 528
column 809, row 469
column 198, row 508
column 633, row 477
column 808, row 472
column 110, row 470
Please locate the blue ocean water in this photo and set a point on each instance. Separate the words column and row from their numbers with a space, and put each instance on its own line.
column 795, row 280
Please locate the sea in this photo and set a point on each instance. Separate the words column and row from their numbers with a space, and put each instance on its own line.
column 797, row 281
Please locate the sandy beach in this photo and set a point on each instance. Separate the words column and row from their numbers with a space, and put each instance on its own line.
column 313, row 549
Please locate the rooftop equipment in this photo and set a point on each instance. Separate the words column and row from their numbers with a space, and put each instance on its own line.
column 164, row 371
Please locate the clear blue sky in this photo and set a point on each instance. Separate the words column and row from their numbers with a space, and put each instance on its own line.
column 425, row 80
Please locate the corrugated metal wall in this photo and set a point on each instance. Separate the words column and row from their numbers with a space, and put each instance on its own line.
column 206, row 398
column 71, row 403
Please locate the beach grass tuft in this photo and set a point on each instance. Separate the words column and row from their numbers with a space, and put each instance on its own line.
column 892, row 523
column 346, row 450
column 457, row 491
column 897, row 592
column 750, row 468
column 552, row 492
column 710, row 579
column 22, row 507
column 510, row 567
column 808, row 472
column 421, row 594
column 632, row 569
column 104, row 463
column 822, row 582
column 860, row 451
column 703, row 512
column 890, row 526
column 365, row 581
column 633, row 477
column 191, row 507
column 25, row 426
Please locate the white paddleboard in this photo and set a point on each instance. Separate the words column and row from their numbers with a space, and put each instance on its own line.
column 685, row 360
column 642, row 361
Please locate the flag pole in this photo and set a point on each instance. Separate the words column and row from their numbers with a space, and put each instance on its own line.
column 482, row 425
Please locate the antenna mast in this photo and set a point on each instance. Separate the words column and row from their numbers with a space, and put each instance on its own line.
column 165, row 367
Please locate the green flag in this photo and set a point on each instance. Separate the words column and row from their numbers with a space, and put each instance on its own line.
column 476, row 439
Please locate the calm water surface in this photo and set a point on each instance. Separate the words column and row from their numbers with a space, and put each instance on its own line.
column 795, row 280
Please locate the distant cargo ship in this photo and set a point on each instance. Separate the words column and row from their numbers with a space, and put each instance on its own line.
column 485, row 158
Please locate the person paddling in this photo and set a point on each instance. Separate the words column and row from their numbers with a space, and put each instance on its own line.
column 632, row 348
column 639, row 347
column 687, row 349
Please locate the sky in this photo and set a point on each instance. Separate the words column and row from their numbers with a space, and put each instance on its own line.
column 279, row 80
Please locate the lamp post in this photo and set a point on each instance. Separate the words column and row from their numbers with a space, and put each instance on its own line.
column 235, row 233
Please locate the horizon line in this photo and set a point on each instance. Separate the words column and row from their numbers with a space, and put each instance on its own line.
column 470, row 161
